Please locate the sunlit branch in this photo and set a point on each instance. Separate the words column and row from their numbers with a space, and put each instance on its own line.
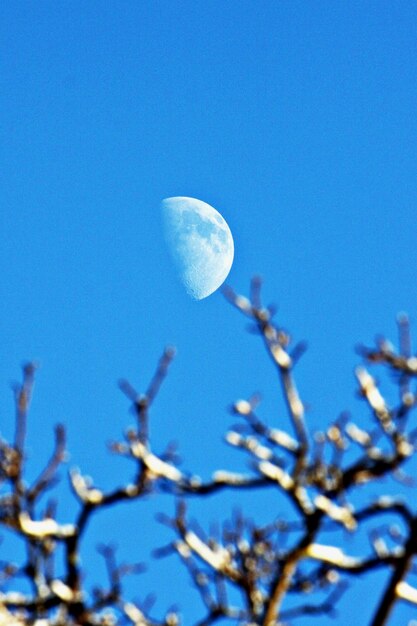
column 244, row 573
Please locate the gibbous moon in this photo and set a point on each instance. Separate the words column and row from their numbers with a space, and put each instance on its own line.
column 200, row 243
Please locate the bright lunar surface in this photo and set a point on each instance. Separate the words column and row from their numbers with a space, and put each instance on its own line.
column 200, row 243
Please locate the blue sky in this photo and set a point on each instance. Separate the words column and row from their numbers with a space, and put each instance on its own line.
column 296, row 120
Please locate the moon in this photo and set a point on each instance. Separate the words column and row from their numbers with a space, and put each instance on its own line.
column 200, row 243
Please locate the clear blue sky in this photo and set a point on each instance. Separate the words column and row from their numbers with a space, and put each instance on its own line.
column 296, row 120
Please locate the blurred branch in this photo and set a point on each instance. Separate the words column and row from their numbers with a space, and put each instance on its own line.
column 244, row 573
